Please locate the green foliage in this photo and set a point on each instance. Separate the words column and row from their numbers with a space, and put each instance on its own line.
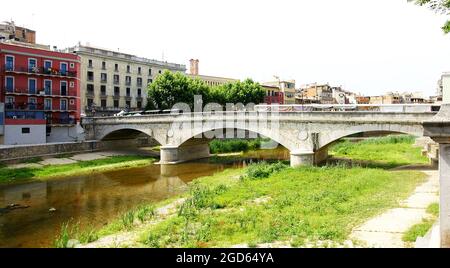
column 421, row 229
column 8, row 175
column 309, row 203
column 71, row 231
column 433, row 209
column 384, row 152
column 418, row 230
column 263, row 170
column 170, row 88
column 233, row 145
column 439, row 6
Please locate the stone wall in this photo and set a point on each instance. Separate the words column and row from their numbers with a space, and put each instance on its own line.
column 21, row 152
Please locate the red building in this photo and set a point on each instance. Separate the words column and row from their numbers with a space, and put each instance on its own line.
column 41, row 94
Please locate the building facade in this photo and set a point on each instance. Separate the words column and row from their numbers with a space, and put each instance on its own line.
column 9, row 31
column 273, row 95
column 286, row 88
column 111, row 81
column 209, row 80
column 40, row 91
column 318, row 93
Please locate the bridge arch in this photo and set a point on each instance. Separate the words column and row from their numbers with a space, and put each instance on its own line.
column 123, row 133
column 276, row 136
column 328, row 138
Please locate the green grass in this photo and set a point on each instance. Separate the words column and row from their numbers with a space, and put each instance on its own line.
column 220, row 146
column 8, row 175
column 385, row 152
column 302, row 204
column 421, row 229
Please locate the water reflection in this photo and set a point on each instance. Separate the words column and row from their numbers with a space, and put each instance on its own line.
column 94, row 199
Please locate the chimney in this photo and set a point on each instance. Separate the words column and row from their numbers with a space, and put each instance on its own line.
column 194, row 66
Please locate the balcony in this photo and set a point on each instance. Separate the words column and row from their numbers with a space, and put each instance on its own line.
column 104, row 81
column 39, row 71
column 116, row 96
column 116, row 82
column 90, row 79
column 128, row 83
column 139, row 84
column 103, row 94
column 90, row 93
column 36, row 92
column 29, row 106
column 61, row 121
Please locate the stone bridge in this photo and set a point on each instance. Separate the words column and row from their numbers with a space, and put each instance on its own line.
column 306, row 135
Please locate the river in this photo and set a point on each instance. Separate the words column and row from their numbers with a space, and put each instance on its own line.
column 94, row 200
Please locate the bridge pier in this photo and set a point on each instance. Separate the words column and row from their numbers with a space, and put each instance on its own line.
column 438, row 128
column 308, row 158
column 170, row 154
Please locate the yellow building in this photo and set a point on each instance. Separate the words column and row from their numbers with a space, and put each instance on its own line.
column 286, row 87
column 209, row 80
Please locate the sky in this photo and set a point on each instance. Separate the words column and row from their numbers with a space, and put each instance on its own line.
column 366, row 46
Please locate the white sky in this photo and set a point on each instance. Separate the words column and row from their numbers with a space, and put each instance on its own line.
column 367, row 46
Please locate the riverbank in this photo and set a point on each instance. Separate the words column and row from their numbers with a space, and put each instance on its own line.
column 42, row 169
column 273, row 204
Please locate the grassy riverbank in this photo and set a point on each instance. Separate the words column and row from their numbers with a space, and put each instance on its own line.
column 9, row 175
column 384, row 152
column 234, row 145
column 270, row 203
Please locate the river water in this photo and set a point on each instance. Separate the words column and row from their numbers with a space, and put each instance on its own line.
column 93, row 200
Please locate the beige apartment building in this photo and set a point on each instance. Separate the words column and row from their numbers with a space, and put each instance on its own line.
column 317, row 93
column 112, row 81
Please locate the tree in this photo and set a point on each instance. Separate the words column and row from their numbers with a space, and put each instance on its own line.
column 171, row 88
column 439, row 6
column 239, row 92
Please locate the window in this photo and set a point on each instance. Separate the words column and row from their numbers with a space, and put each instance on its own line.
column 63, row 68
column 25, row 130
column 72, row 65
column 149, row 81
column 160, row 71
column 103, row 90
column 63, row 88
column 9, row 103
column 128, row 92
column 116, row 104
column 47, row 104
column 139, row 70
column 90, row 89
column 104, row 77
column 90, row 76
column 116, row 79
column 116, row 67
column 128, row 80
column 63, row 105
column 139, row 104
column 128, row 69
column 139, row 91
column 9, row 62
column 90, row 63
column 139, row 82
column 72, row 84
column 31, row 86
column 32, row 65
column 103, row 103
column 9, row 83
column 103, row 65
column 32, row 103
column 116, row 91
column 48, row 87
column 127, row 104
column 150, row 71
column 48, row 66
column 90, row 102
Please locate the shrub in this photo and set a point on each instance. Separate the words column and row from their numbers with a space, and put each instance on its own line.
column 263, row 170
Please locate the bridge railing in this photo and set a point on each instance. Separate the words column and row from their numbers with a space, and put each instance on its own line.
column 398, row 108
